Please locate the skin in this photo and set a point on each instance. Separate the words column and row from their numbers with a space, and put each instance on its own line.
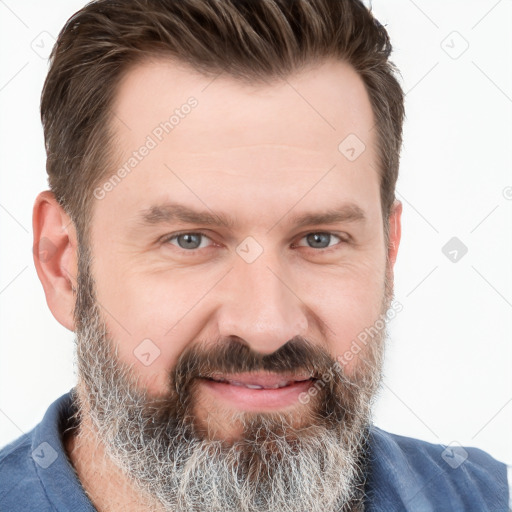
column 260, row 155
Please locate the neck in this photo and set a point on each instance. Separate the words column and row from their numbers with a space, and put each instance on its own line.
column 105, row 485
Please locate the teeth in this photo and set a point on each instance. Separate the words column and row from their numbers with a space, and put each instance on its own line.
column 257, row 386
column 252, row 386
column 281, row 384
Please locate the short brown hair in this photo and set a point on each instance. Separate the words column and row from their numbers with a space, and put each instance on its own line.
column 251, row 40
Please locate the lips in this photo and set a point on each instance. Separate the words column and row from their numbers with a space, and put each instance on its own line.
column 256, row 392
column 259, row 381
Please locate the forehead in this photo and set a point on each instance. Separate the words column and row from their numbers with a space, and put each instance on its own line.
column 329, row 98
column 213, row 137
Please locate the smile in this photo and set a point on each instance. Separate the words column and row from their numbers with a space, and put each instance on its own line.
column 256, row 392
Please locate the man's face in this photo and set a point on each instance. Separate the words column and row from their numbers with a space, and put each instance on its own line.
column 267, row 298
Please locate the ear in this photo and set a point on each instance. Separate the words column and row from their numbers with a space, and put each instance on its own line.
column 395, row 232
column 55, row 256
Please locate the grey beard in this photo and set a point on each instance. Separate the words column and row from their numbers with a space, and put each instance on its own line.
column 275, row 466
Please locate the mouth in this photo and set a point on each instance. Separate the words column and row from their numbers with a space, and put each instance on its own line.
column 257, row 391
column 252, row 381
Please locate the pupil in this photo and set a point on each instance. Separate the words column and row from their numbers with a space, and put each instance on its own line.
column 191, row 241
column 319, row 240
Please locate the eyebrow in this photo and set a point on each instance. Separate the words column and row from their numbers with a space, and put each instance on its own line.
column 344, row 213
column 171, row 212
column 167, row 213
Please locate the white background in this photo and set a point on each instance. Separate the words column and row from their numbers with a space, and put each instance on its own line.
column 448, row 369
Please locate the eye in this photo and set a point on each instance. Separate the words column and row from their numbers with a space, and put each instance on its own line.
column 188, row 241
column 320, row 240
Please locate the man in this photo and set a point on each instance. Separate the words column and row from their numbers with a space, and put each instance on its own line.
column 220, row 233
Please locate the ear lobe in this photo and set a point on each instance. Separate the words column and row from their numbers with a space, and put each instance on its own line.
column 55, row 256
column 395, row 232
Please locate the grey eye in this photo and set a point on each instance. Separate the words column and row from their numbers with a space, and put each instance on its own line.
column 189, row 241
column 320, row 240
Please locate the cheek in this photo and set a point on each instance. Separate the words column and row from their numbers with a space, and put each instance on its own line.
column 348, row 304
column 149, row 319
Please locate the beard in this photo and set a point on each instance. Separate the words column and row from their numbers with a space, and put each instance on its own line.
column 312, row 458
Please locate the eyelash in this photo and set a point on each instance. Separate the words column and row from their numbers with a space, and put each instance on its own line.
column 168, row 239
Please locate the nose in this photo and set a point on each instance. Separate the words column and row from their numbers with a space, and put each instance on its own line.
column 260, row 306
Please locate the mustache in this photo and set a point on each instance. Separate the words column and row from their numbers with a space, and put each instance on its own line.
column 232, row 355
